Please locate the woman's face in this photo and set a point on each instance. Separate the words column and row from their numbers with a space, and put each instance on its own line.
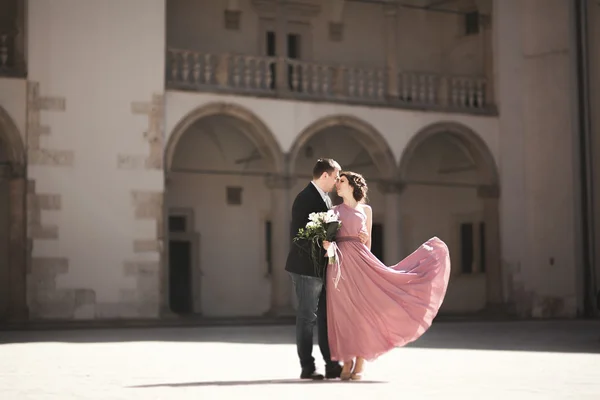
column 343, row 187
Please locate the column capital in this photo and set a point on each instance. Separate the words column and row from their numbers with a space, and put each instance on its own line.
column 488, row 192
column 279, row 182
column 391, row 187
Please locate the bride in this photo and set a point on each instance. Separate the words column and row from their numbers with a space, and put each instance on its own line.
column 373, row 308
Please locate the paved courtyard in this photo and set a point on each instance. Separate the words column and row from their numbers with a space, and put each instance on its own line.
column 466, row 360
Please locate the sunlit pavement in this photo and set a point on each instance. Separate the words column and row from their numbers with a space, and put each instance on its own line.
column 467, row 360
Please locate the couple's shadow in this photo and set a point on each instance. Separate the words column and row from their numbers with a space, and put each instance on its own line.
column 254, row 382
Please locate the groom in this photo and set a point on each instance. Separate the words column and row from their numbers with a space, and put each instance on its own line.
column 308, row 283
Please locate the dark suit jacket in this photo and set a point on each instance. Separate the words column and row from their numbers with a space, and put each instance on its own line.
column 299, row 262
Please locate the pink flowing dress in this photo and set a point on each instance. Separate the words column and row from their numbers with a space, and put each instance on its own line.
column 373, row 308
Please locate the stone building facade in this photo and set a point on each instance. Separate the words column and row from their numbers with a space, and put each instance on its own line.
column 150, row 150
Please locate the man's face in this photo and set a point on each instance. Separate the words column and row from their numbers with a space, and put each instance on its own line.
column 332, row 179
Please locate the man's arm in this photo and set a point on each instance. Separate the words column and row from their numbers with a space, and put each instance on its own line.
column 300, row 212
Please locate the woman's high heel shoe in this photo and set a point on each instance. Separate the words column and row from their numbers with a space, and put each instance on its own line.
column 359, row 367
column 347, row 372
column 356, row 376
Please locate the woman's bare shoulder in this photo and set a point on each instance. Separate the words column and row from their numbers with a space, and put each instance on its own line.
column 366, row 209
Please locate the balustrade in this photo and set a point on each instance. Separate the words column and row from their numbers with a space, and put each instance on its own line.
column 190, row 70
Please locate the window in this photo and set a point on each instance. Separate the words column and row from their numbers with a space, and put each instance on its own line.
column 270, row 47
column 482, row 246
column 234, row 196
column 472, row 23
column 377, row 241
column 270, row 43
column 177, row 223
column 293, row 45
column 269, row 246
column 293, row 53
column 466, row 248
column 472, row 247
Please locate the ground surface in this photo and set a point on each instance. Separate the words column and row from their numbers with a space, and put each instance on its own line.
column 464, row 360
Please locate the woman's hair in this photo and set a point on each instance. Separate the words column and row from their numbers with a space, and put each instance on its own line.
column 358, row 184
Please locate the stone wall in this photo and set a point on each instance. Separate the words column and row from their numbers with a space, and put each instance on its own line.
column 94, row 144
column 538, row 152
column 45, row 299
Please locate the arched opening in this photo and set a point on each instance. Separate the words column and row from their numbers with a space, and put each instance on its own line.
column 451, row 191
column 358, row 147
column 219, row 213
column 12, row 222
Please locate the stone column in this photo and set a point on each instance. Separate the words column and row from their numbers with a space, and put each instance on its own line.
column 391, row 49
column 281, row 82
column 392, row 228
column 18, row 258
column 281, row 286
column 490, row 196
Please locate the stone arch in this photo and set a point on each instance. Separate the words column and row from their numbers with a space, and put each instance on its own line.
column 364, row 133
column 487, row 191
column 259, row 135
column 466, row 136
column 15, row 176
column 258, row 132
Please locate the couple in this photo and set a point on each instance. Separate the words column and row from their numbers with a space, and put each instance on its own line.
column 372, row 308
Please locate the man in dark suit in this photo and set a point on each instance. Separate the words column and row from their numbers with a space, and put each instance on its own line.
column 309, row 282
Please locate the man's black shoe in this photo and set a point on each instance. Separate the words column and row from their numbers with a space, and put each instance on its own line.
column 333, row 372
column 311, row 374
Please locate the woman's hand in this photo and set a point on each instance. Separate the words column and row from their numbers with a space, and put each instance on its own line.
column 364, row 237
column 326, row 244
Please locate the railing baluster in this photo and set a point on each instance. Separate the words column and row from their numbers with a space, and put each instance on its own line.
column 248, row 73
column 380, row 83
column 208, row 70
column 196, row 69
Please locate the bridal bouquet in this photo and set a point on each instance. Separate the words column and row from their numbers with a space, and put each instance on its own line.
column 321, row 226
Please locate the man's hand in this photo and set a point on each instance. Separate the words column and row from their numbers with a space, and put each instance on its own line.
column 364, row 237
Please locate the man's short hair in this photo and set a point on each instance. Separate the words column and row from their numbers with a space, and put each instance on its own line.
column 325, row 165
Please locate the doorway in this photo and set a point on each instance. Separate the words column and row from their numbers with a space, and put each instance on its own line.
column 184, row 277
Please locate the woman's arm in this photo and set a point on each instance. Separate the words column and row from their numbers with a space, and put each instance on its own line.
column 369, row 214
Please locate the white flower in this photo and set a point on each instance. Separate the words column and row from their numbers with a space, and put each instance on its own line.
column 331, row 216
column 314, row 217
column 312, row 224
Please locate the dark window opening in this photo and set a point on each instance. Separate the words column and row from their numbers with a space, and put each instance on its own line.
column 466, row 248
column 177, row 223
column 269, row 246
column 180, row 276
column 482, row 245
column 377, row 241
column 472, row 23
column 234, row 196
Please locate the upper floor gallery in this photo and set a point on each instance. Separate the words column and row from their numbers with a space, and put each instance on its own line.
column 419, row 54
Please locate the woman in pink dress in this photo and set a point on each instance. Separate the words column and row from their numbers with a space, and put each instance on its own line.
column 373, row 308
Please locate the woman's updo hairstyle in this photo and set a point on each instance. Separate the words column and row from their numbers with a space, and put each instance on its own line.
column 358, row 184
